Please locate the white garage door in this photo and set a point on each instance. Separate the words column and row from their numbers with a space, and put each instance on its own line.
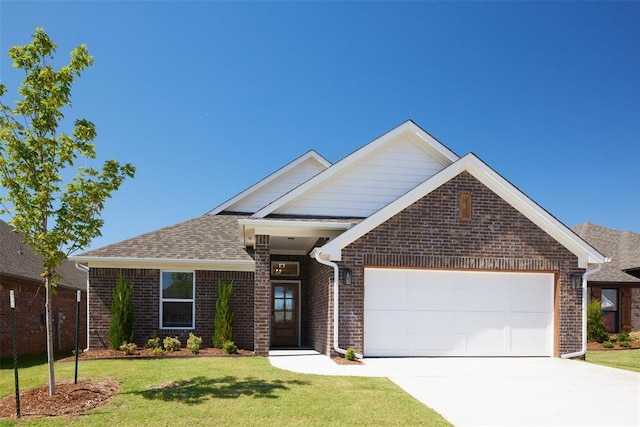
column 457, row 313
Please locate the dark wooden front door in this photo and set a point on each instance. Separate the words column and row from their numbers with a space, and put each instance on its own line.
column 284, row 314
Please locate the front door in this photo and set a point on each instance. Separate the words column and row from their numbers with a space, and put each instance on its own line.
column 284, row 314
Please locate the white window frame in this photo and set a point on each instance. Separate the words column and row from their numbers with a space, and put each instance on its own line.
column 191, row 300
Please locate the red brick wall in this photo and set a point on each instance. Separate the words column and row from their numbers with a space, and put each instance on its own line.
column 262, row 296
column 429, row 234
column 146, row 301
column 31, row 336
column 320, row 307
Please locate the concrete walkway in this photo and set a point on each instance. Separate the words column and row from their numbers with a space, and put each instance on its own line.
column 498, row 391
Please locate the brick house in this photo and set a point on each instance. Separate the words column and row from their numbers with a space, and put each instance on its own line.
column 617, row 284
column 401, row 248
column 20, row 269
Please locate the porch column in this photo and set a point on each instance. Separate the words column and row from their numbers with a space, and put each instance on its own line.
column 262, row 296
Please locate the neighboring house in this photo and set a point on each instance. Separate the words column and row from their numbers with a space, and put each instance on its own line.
column 20, row 269
column 435, row 255
column 617, row 284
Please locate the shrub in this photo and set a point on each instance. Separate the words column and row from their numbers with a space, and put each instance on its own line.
column 607, row 344
column 229, row 347
column 623, row 336
column 194, row 343
column 172, row 343
column 153, row 343
column 613, row 338
column 350, row 354
column 634, row 336
column 223, row 323
column 157, row 351
column 128, row 348
column 121, row 328
column 625, row 344
column 596, row 329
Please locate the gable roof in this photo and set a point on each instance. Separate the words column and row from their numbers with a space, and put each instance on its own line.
column 206, row 242
column 622, row 246
column 275, row 185
column 491, row 179
column 368, row 178
column 19, row 261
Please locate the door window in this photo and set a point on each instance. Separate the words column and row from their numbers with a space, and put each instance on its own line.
column 610, row 309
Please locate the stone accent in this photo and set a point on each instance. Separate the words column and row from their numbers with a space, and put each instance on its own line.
column 262, row 297
column 430, row 234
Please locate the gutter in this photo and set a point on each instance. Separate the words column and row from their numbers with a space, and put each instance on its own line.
column 585, row 302
column 84, row 268
column 336, row 300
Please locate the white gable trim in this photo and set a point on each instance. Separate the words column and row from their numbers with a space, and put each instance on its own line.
column 586, row 254
column 261, row 184
column 438, row 148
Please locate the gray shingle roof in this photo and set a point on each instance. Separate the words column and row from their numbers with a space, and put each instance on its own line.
column 20, row 261
column 207, row 237
column 623, row 247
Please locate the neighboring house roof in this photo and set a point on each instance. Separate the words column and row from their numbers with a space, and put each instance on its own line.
column 22, row 263
column 495, row 182
column 623, row 247
column 206, row 242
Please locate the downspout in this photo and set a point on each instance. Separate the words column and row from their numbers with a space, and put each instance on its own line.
column 84, row 268
column 585, row 302
column 336, row 301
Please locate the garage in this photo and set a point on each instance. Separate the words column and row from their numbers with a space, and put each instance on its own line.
column 412, row 312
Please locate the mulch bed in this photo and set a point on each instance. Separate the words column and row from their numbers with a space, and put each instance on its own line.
column 594, row 346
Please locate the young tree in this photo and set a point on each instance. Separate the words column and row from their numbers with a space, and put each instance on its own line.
column 223, row 323
column 58, row 215
column 121, row 328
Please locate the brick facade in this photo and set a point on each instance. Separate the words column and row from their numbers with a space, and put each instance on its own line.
column 430, row 234
column 29, row 312
column 635, row 309
column 262, row 297
column 146, row 302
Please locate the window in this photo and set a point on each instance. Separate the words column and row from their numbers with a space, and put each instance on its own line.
column 285, row 268
column 609, row 301
column 177, row 290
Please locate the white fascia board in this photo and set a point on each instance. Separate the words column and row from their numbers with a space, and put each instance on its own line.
column 270, row 178
column 353, row 158
column 586, row 254
column 293, row 228
column 164, row 263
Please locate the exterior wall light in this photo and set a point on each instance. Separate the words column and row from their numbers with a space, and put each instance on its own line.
column 576, row 281
column 347, row 276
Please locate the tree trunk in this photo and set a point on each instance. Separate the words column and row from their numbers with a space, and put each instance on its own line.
column 49, row 320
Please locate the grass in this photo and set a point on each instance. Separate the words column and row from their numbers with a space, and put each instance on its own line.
column 227, row 391
column 623, row 359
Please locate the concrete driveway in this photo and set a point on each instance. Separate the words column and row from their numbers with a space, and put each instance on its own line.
column 518, row 391
column 499, row 391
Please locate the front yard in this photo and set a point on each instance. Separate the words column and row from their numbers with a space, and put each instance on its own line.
column 623, row 359
column 225, row 391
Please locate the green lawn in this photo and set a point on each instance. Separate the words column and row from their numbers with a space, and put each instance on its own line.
column 227, row 391
column 623, row 359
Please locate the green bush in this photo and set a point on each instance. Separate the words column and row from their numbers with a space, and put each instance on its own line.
column 229, row 347
column 128, row 348
column 171, row 343
column 350, row 354
column 194, row 343
column 623, row 336
column 121, row 328
column 223, row 323
column 607, row 344
column 153, row 343
column 625, row 344
column 596, row 329
column 157, row 351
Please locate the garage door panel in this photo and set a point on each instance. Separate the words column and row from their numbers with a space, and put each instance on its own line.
column 454, row 313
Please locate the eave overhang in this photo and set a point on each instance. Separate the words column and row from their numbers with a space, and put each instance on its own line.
column 165, row 263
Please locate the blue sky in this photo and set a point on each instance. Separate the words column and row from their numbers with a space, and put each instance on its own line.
column 206, row 98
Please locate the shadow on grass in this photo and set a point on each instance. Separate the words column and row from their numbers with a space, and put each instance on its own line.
column 31, row 360
column 200, row 389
